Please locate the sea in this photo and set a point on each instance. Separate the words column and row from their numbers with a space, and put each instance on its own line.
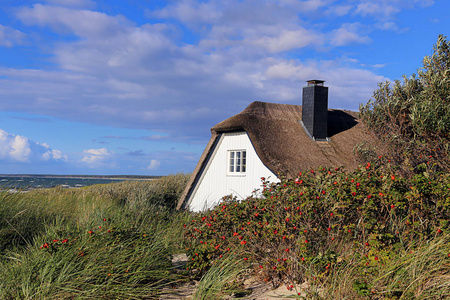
column 35, row 181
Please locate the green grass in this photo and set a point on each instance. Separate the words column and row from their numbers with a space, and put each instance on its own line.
column 116, row 241
column 222, row 278
column 99, row 242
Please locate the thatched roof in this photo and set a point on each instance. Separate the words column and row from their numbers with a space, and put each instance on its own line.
column 282, row 143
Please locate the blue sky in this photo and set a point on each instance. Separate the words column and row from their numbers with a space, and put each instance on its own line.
column 134, row 86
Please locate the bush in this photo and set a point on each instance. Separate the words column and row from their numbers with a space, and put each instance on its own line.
column 412, row 118
column 305, row 229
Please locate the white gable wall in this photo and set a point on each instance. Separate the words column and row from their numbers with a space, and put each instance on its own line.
column 215, row 182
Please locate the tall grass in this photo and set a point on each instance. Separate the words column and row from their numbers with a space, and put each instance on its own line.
column 99, row 242
column 422, row 273
column 221, row 280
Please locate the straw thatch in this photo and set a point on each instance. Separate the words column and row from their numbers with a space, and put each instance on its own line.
column 282, row 143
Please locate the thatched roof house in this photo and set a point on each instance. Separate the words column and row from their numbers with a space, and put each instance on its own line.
column 264, row 140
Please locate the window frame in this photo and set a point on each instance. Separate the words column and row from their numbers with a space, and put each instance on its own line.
column 237, row 160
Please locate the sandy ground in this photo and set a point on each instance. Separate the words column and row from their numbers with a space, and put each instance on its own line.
column 259, row 290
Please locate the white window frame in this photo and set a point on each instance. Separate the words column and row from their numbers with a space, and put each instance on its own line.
column 237, row 162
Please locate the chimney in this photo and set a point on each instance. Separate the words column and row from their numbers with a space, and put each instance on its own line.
column 315, row 110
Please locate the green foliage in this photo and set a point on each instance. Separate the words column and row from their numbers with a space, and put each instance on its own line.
column 220, row 280
column 136, row 195
column 324, row 222
column 24, row 215
column 85, row 243
column 361, row 287
column 108, row 261
column 412, row 118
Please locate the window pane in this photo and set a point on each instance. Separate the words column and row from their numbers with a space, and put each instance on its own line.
column 232, row 161
column 238, row 168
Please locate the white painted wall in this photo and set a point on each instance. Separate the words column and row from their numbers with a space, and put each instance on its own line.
column 215, row 183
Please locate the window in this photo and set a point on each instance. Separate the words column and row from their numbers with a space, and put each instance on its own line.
column 237, row 161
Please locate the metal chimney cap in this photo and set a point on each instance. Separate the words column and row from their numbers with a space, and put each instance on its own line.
column 315, row 82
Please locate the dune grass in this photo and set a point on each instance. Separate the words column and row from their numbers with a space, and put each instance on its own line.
column 116, row 241
column 99, row 242
column 221, row 280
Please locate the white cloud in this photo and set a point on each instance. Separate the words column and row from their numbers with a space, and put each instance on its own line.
column 377, row 66
column 154, row 164
column 83, row 23
column 286, row 70
column 191, row 11
column 288, row 40
column 306, row 5
column 55, row 154
column 387, row 9
column 391, row 26
column 96, row 156
column 339, row 10
column 349, row 33
column 73, row 3
column 10, row 36
column 14, row 147
column 20, row 148
column 17, row 148
column 376, row 8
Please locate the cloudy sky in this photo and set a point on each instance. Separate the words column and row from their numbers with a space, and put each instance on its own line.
column 133, row 86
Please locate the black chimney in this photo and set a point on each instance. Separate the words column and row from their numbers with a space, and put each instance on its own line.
column 315, row 109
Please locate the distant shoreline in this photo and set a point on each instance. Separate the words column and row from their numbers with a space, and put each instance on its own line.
column 112, row 177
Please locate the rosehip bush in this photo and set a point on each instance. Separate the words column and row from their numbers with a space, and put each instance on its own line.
column 303, row 227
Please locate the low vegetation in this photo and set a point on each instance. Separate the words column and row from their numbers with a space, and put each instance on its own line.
column 99, row 242
column 370, row 233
